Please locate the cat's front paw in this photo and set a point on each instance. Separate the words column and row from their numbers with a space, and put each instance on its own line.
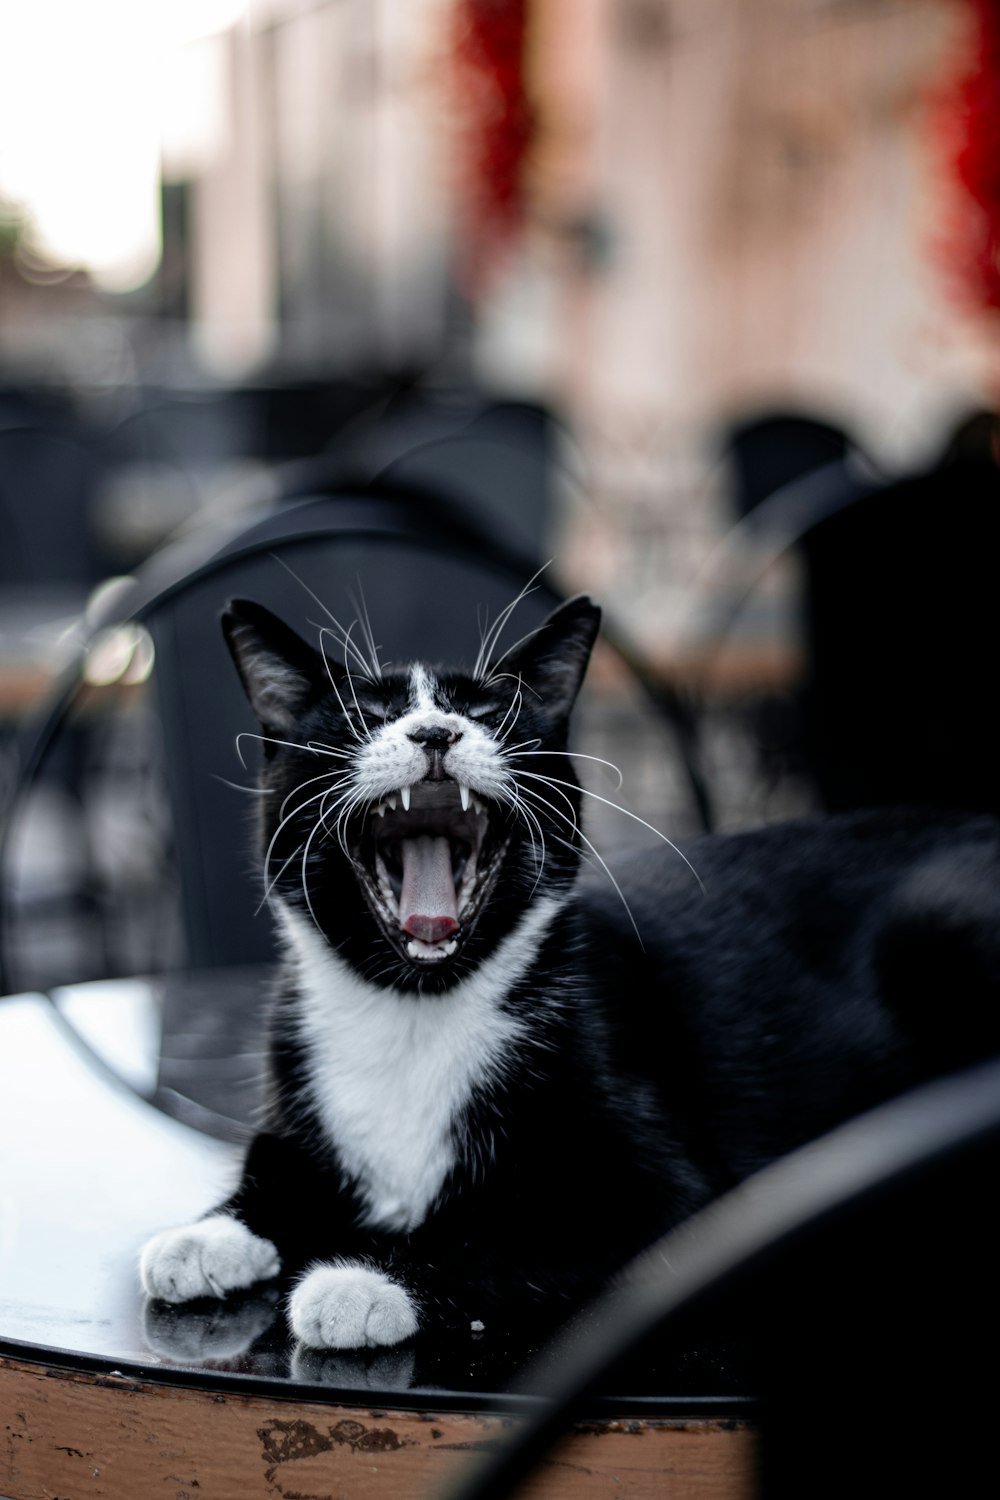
column 207, row 1259
column 350, row 1306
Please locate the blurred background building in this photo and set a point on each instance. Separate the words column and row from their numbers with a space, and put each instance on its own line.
column 691, row 249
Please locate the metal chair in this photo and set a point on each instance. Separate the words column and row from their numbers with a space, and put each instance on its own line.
column 860, row 1272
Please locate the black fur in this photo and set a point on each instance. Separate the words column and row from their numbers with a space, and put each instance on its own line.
column 824, row 967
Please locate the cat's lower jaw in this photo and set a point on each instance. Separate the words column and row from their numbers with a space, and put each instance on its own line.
column 216, row 1256
column 348, row 1305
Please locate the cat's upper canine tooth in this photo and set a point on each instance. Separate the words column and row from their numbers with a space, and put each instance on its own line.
column 463, row 792
column 404, row 796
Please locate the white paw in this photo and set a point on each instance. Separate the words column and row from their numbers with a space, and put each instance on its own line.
column 207, row 1259
column 350, row 1306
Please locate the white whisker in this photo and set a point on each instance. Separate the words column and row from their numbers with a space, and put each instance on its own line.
column 268, row 739
column 305, row 873
column 324, row 631
column 344, row 778
column 344, row 635
column 481, row 669
column 515, row 707
column 350, row 679
column 599, row 760
column 323, row 749
column 365, row 625
column 282, row 825
column 510, row 751
column 594, row 851
column 554, row 781
column 251, row 791
column 513, row 799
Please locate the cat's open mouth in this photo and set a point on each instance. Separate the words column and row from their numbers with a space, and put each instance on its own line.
column 427, row 858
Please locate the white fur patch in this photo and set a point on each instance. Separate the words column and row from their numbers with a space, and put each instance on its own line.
column 390, row 759
column 348, row 1305
column 207, row 1259
column 422, row 689
column 389, row 1072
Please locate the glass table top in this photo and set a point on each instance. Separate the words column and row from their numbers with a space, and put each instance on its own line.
column 122, row 1109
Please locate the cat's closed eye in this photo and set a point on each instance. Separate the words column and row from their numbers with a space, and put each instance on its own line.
column 375, row 710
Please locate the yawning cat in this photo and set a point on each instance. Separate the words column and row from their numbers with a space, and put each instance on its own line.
column 491, row 1082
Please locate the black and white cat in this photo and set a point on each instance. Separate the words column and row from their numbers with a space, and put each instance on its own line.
column 491, row 1082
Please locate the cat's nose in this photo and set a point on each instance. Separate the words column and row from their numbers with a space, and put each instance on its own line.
column 434, row 736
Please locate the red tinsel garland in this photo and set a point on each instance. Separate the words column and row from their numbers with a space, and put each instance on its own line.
column 971, row 121
column 496, row 125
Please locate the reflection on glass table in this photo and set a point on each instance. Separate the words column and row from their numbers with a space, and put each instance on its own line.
column 123, row 1106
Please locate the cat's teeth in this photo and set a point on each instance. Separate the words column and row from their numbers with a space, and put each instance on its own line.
column 463, row 792
column 404, row 797
column 381, row 809
column 431, row 952
column 477, row 806
column 390, row 802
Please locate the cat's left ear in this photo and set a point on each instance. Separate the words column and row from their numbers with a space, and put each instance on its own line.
column 281, row 674
column 554, row 658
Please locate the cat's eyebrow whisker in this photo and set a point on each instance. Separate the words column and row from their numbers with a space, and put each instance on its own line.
column 516, row 704
column 528, row 635
column 493, row 634
column 494, row 679
column 365, row 626
column 350, row 679
column 317, row 600
column 324, row 631
column 554, row 781
column 344, row 707
column 342, row 637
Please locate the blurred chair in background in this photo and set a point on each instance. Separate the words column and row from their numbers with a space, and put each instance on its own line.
column 898, row 615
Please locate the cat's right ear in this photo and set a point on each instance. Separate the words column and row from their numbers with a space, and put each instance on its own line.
column 281, row 674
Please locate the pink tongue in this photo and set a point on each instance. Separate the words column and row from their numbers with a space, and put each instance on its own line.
column 427, row 906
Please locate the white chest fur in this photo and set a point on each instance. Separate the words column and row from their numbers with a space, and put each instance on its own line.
column 390, row 1072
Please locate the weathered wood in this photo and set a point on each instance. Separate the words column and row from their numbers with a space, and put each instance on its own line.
column 68, row 1435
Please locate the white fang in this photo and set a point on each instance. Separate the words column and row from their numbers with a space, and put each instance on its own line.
column 390, row 1073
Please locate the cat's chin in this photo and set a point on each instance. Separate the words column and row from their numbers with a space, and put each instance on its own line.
column 427, row 858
